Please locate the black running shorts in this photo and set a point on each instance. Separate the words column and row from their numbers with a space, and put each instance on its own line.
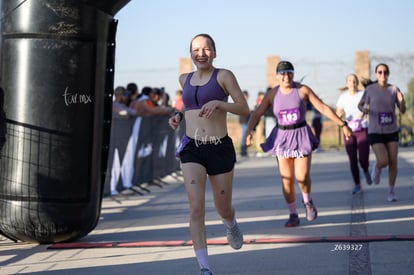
column 216, row 155
column 382, row 138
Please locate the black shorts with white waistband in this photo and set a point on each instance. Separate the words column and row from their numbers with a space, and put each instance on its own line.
column 216, row 155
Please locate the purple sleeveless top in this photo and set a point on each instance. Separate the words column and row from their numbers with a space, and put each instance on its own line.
column 295, row 142
column 194, row 97
column 289, row 109
column 382, row 102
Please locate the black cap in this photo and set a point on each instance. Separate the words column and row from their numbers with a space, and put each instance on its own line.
column 284, row 66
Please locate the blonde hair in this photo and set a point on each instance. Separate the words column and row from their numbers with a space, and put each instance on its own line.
column 343, row 89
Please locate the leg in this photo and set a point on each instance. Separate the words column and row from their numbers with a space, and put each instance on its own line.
column 302, row 172
column 195, row 185
column 363, row 154
column 363, row 150
column 286, row 170
column 221, row 186
column 351, row 150
column 381, row 154
column 392, row 148
column 381, row 157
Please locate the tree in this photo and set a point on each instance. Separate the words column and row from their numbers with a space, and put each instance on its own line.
column 409, row 97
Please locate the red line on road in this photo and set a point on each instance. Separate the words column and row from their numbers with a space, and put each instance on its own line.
column 82, row 245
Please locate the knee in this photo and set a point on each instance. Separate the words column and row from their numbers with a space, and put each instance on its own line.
column 197, row 212
column 382, row 163
column 288, row 187
column 393, row 164
column 303, row 179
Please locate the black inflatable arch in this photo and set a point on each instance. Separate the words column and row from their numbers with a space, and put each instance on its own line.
column 57, row 67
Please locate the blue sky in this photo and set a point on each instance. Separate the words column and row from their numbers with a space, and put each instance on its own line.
column 319, row 37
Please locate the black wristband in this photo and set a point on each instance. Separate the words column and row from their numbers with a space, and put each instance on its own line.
column 344, row 124
column 180, row 114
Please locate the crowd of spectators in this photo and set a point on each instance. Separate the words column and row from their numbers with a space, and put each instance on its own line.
column 129, row 101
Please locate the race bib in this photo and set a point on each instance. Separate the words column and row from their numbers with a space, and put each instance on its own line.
column 385, row 118
column 355, row 125
column 289, row 116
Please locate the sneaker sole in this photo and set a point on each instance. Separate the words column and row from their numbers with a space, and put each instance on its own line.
column 287, row 224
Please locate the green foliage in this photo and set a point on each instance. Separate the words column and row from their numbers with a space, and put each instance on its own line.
column 409, row 97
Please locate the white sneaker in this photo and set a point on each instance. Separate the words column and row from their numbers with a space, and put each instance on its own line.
column 391, row 197
column 235, row 237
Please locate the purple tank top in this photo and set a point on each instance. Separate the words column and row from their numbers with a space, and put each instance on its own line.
column 289, row 109
column 382, row 119
column 194, row 97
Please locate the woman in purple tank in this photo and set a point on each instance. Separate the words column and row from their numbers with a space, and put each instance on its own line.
column 379, row 101
column 292, row 140
column 206, row 149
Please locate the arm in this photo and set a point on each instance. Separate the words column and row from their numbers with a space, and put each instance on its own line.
column 340, row 107
column 363, row 104
column 258, row 113
column 401, row 102
column 229, row 83
column 324, row 109
column 175, row 120
column 339, row 112
column 144, row 109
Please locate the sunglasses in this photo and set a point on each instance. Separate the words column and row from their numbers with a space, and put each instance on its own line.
column 285, row 72
column 383, row 72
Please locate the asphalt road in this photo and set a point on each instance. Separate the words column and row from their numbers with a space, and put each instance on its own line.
column 148, row 234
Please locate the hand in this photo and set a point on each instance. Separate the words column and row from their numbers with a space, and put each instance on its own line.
column 365, row 109
column 208, row 109
column 249, row 140
column 174, row 121
column 347, row 131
